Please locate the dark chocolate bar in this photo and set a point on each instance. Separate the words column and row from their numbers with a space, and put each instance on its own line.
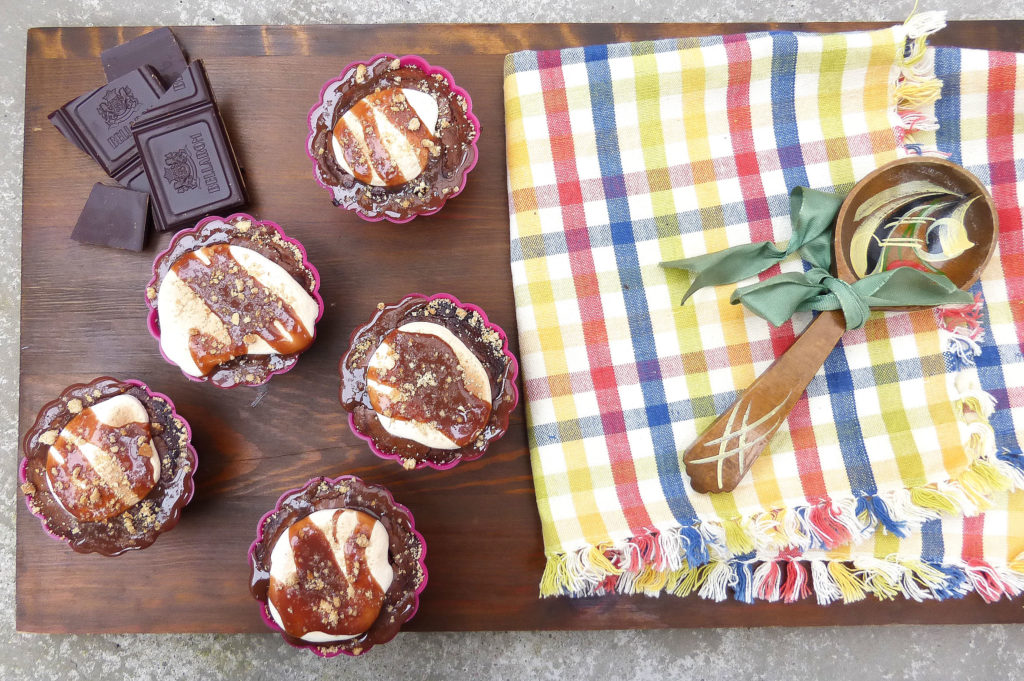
column 190, row 165
column 158, row 49
column 99, row 122
column 113, row 217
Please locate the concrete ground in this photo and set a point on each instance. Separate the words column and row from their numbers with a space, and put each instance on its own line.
column 893, row 652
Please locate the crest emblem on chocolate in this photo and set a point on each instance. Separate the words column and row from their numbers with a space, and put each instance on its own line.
column 180, row 171
column 118, row 105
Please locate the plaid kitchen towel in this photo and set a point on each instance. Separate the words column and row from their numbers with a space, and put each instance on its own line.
column 624, row 156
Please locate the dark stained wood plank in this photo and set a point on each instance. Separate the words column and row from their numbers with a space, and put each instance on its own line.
column 83, row 315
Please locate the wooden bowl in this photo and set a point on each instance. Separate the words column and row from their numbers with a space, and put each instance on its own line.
column 981, row 220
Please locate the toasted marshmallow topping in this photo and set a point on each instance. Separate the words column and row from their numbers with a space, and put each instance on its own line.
column 229, row 318
column 384, row 359
column 391, row 148
column 337, row 529
column 97, row 465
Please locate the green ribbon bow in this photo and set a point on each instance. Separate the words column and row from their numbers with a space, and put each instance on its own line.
column 777, row 299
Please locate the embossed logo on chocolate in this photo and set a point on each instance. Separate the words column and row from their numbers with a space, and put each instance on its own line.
column 180, row 171
column 117, row 105
column 206, row 168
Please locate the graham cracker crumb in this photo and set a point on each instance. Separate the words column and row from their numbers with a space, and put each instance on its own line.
column 395, row 63
column 361, row 73
column 49, row 437
column 28, row 488
column 408, row 464
column 380, row 306
column 75, row 406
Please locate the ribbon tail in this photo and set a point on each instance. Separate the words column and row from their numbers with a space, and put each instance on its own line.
column 727, row 266
column 814, row 213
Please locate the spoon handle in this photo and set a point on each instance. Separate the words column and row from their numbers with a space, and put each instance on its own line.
column 723, row 454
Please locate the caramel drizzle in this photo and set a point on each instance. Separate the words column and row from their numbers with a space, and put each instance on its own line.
column 323, row 597
column 80, row 488
column 431, row 381
column 399, row 114
column 248, row 309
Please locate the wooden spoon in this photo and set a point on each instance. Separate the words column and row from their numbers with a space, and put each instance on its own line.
column 723, row 454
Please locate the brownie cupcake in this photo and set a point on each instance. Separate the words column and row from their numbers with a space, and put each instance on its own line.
column 392, row 138
column 108, row 466
column 429, row 382
column 337, row 566
column 233, row 301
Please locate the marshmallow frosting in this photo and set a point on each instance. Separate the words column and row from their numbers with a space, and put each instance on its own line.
column 387, row 147
column 224, row 318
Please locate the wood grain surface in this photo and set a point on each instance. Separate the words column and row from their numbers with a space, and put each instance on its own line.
column 83, row 315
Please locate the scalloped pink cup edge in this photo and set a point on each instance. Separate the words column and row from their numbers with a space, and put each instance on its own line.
column 514, row 377
column 316, row 648
column 153, row 317
column 185, row 498
column 427, row 68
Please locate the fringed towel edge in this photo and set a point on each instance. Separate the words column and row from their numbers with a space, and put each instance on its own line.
column 915, row 86
column 680, row 560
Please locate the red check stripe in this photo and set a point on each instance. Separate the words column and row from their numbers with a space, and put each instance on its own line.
column 1003, row 178
column 581, row 262
column 748, row 171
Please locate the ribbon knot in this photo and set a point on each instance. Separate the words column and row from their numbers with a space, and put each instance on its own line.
column 776, row 299
column 854, row 306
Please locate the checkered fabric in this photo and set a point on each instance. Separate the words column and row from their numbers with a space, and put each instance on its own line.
column 981, row 126
column 624, row 156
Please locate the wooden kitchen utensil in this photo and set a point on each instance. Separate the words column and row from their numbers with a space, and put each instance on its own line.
column 723, row 454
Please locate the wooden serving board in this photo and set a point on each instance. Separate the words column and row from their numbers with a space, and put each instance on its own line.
column 83, row 315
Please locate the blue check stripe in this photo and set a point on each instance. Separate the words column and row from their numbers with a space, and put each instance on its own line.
column 787, row 136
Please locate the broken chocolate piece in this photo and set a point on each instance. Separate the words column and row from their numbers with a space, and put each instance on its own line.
column 191, row 89
column 99, row 122
column 113, row 217
column 158, row 49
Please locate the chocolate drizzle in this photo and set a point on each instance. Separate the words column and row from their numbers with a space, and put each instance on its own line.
column 405, row 550
column 323, row 597
column 138, row 526
column 469, row 327
column 268, row 242
column 79, row 487
column 248, row 310
column 432, row 386
column 446, row 167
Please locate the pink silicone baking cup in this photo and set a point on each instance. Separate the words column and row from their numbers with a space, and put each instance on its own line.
column 189, row 485
column 512, row 377
column 321, row 108
column 153, row 321
column 318, row 648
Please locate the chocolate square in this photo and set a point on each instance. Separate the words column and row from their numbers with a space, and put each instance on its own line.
column 99, row 122
column 190, row 165
column 158, row 49
column 114, row 217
